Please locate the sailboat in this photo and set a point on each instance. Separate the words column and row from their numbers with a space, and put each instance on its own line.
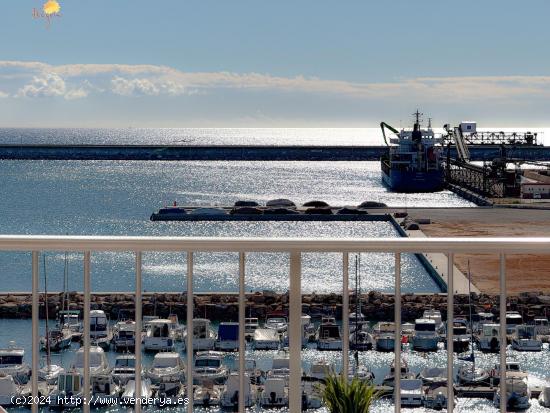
column 470, row 375
column 50, row 372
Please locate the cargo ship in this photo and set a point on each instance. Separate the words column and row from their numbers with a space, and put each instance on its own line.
column 413, row 163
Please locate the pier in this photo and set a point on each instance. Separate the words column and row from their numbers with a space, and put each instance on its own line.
column 239, row 152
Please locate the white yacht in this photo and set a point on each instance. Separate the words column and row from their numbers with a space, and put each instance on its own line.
column 525, row 339
column 124, row 337
column 432, row 314
column 266, row 339
column 480, row 319
column 176, row 329
column 228, row 336
column 50, row 373
column 275, row 393
column 209, row 367
column 204, row 338
column 57, row 340
column 436, row 397
column 513, row 370
column 125, row 368
column 128, row 396
column 308, row 331
column 280, row 366
column 320, row 370
column 70, row 319
column 542, row 327
column 207, row 394
column 68, row 393
column 513, row 319
column 100, row 334
column 544, row 396
column 425, row 337
column 389, row 380
column 171, row 393
column 166, row 366
column 105, row 391
column 329, row 337
column 158, row 336
column 488, row 338
column 277, row 323
column 251, row 324
column 11, row 363
column 361, row 373
column 518, row 395
column 411, row 393
column 9, row 390
column 98, row 361
column 230, row 394
column 384, row 336
column 472, row 375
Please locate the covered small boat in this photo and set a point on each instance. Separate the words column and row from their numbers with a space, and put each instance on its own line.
column 266, row 339
column 275, row 393
column 230, row 392
column 228, row 336
column 518, row 395
column 11, row 363
column 411, row 393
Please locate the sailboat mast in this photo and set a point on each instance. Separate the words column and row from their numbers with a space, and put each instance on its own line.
column 470, row 310
column 48, row 361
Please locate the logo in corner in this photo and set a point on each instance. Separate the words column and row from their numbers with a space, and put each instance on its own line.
column 50, row 10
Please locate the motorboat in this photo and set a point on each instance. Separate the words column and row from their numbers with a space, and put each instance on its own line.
column 513, row 319
column 58, row 339
column 433, row 376
column 320, row 370
column 425, row 337
column 228, row 336
column 266, row 339
column 251, row 324
column 280, row 366
column 98, row 361
column 167, row 366
column 277, row 323
column 436, row 397
column 11, row 363
column 389, row 380
column 360, row 340
column 124, row 369
column 70, row 319
column 513, row 370
column 128, row 396
column 432, row 314
column 356, row 317
column 124, row 336
column 230, row 393
column 472, row 375
column 204, row 338
column 170, row 393
column 525, row 339
column 158, row 336
column 100, row 334
column 256, row 375
column 207, row 394
column 461, row 338
column 411, row 393
column 50, row 373
column 328, row 337
column 362, row 373
column 9, row 390
column 308, row 331
column 68, row 393
column 544, row 396
column 542, row 327
column 105, row 391
column 209, row 367
column 311, row 398
column 518, row 395
column 384, row 336
column 146, row 321
column 480, row 319
column 176, row 329
column 488, row 338
column 275, row 393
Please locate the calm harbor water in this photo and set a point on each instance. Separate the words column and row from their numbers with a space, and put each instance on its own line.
column 117, row 198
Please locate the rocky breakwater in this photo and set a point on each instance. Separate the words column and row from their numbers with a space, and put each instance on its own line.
column 224, row 306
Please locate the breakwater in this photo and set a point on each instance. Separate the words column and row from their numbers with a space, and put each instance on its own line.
column 239, row 152
column 375, row 306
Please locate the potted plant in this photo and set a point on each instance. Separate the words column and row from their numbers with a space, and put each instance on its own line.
column 341, row 395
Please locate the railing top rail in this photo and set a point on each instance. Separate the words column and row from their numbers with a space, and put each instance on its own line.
column 487, row 245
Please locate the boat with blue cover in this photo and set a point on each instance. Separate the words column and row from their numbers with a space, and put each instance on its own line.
column 413, row 163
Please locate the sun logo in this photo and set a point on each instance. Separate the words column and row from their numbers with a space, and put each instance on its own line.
column 51, row 7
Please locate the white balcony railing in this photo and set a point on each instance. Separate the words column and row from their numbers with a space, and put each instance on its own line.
column 294, row 247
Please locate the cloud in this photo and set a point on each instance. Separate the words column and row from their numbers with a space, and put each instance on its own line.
column 72, row 81
column 4, row 95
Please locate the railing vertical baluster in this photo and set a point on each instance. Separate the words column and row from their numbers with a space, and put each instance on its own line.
column 503, row 342
column 87, row 291
column 189, row 343
column 137, row 345
column 35, row 331
column 345, row 314
column 397, row 341
column 242, row 344
column 450, row 317
column 295, row 332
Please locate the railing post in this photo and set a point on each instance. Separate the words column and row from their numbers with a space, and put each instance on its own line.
column 87, row 292
column 295, row 333
column 242, row 343
column 450, row 317
column 35, row 331
column 503, row 342
column 345, row 315
column 189, row 343
column 397, row 341
column 138, row 318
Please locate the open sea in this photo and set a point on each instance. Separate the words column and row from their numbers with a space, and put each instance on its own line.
column 117, row 198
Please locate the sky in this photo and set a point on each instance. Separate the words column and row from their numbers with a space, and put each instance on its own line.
column 254, row 63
